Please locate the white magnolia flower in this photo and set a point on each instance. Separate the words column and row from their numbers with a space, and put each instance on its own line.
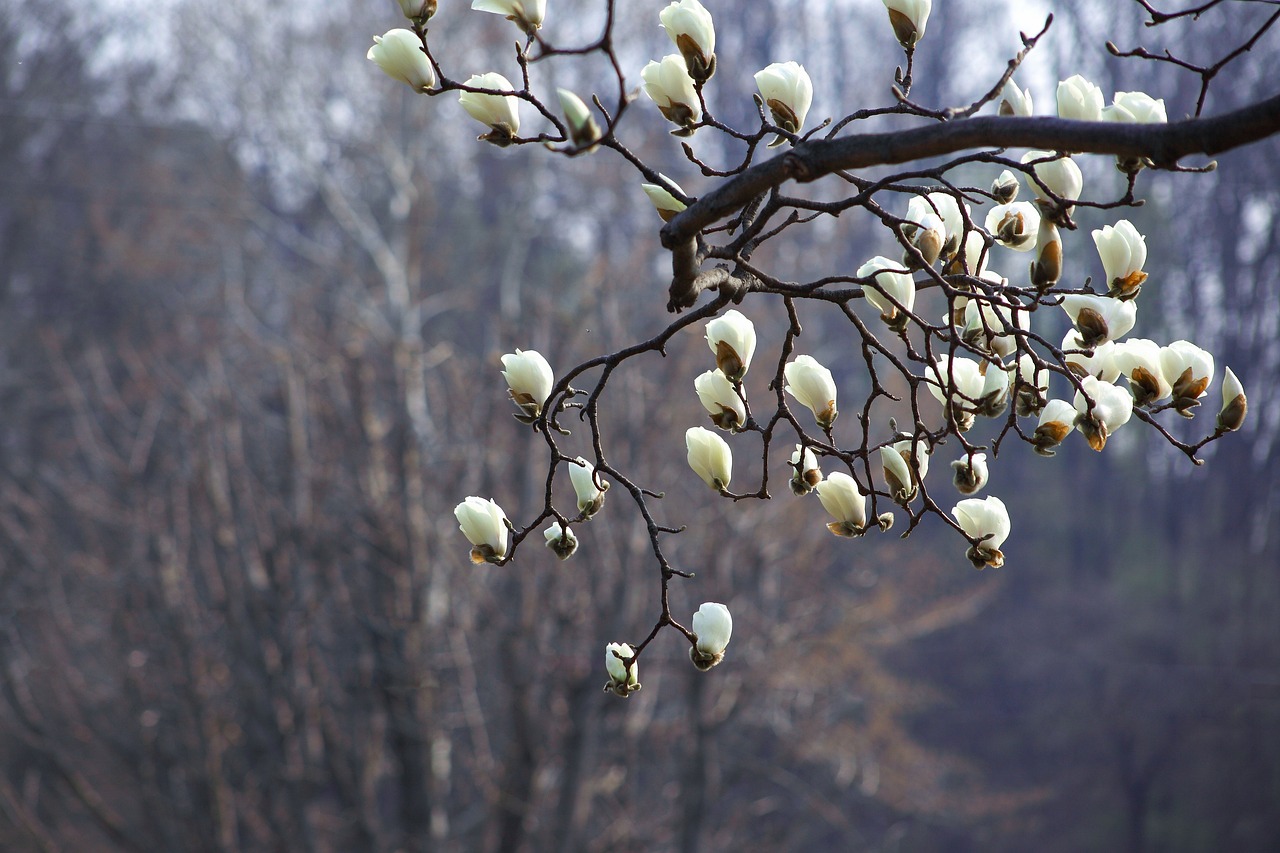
column 908, row 18
column 583, row 130
column 1057, row 420
column 588, row 485
column 1099, row 319
column 925, row 230
column 957, row 383
column 1046, row 269
column 1124, row 252
column 905, row 464
column 689, row 25
column 894, row 282
column 399, row 53
column 732, row 337
column 485, row 525
column 1005, row 187
column 970, row 473
column 1111, row 409
column 995, row 390
column 1015, row 101
column 562, row 541
column 813, row 386
column 1014, row 225
column 973, row 260
column 1135, row 108
column 530, row 379
column 805, row 473
column 668, row 84
column 623, row 680
column 845, row 502
column 787, row 92
column 709, row 457
column 663, row 201
column 499, row 112
column 1079, row 99
column 1033, row 386
column 1101, row 364
column 421, row 9
column 721, row 400
column 526, row 14
column 988, row 520
column 1063, row 178
column 1189, row 370
column 1138, row 360
column 713, row 626
column 1234, row 404
column 994, row 328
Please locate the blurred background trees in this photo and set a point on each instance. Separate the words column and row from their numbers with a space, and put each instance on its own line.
column 252, row 301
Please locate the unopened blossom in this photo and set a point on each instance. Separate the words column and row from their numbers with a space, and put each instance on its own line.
column 953, row 218
column 623, row 679
column 663, row 201
column 668, row 84
column 419, row 9
column 1099, row 319
column 845, row 502
column 1079, row 99
column 1015, row 101
column 499, row 112
column 525, row 14
column 561, row 540
column 1123, row 252
column 787, row 91
column 1135, row 108
column 713, row 626
column 1098, row 362
column 1032, row 386
column 924, row 230
column 1101, row 409
column 1138, row 360
column 689, row 25
column 908, row 18
column 894, row 282
column 992, row 327
column 957, row 383
column 1189, row 370
column 995, row 390
column 1014, row 225
column 905, row 464
column 1234, row 404
column 709, row 457
column 732, row 337
column 805, row 473
column 1046, row 269
column 530, row 379
column 721, row 400
column 972, row 260
column 485, row 525
column 1005, row 187
column 1063, row 178
column 1057, row 420
column 583, row 130
column 588, row 485
column 813, row 386
column 985, row 519
column 970, row 473
column 399, row 53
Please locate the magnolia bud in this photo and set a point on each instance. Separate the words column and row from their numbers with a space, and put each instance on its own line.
column 689, row 25
column 499, row 112
column 732, row 337
column 813, row 386
column 561, row 540
column 588, row 485
column 970, row 473
column 713, row 626
column 530, row 379
column 668, row 84
column 485, row 525
column 787, row 91
column 709, row 456
column 624, row 677
column 525, row 14
column 805, row 471
column 583, row 130
column 844, row 501
column 399, row 54
column 663, row 201
column 986, row 520
column 908, row 18
column 1234, row 404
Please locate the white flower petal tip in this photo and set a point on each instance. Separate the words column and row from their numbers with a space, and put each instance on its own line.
column 987, row 521
column 712, row 626
column 485, row 525
column 624, row 671
column 399, row 54
column 525, row 14
column 663, row 200
column 813, row 387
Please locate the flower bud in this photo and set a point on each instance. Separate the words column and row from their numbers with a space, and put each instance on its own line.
column 1064, row 180
column 908, row 18
column 732, row 337
column 1138, row 360
column 1188, row 369
column 399, row 53
column 905, row 464
column 1057, row 420
column 1032, row 386
column 993, row 328
column 1046, row 269
column 624, row 679
column 1134, row 108
column 689, row 25
column 1234, row 404
column 1124, row 252
column 530, row 379
column 561, row 540
column 924, row 229
column 709, row 457
column 712, row 626
column 525, row 14
column 583, row 130
column 1005, row 187
column 987, row 520
column 995, row 390
column 970, row 473
column 1015, row 101
column 1014, row 225
column 893, row 282
column 419, row 10
column 973, row 260
column 588, row 485
column 787, row 91
column 957, row 383
column 668, row 84
column 485, row 525
column 721, row 400
column 1111, row 409
column 499, row 112
column 805, row 471
column 1099, row 319
column 1079, row 99
column 1098, row 361
column 663, row 201
column 844, row 501
column 813, row 386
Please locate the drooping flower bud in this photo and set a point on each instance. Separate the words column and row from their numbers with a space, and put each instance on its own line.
column 485, row 525
column 1014, row 225
column 1234, row 404
column 805, row 471
column 908, row 18
column 588, row 485
column 787, row 91
column 905, row 464
column 1015, row 101
column 583, row 130
column 1189, row 370
column 985, row 519
column 689, row 25
column 813, row 386
column 419, row 10
column 1124, row 252
column 399, row 53
column 709, row 457
column 624, row 679
column 721, row 400
column 1057, row 420
column 845, row 502
column 1079, row 99
column 668, row 84
column 1102, row 408
column 530, row 379
column 894, row 282
column 561, row 540
column 970, row 473
column 525, row 14
column 713, row 626
column 663, row 201
column 732, row 337
column 499, row 112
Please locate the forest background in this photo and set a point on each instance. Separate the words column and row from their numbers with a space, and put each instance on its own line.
column 252, row 300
